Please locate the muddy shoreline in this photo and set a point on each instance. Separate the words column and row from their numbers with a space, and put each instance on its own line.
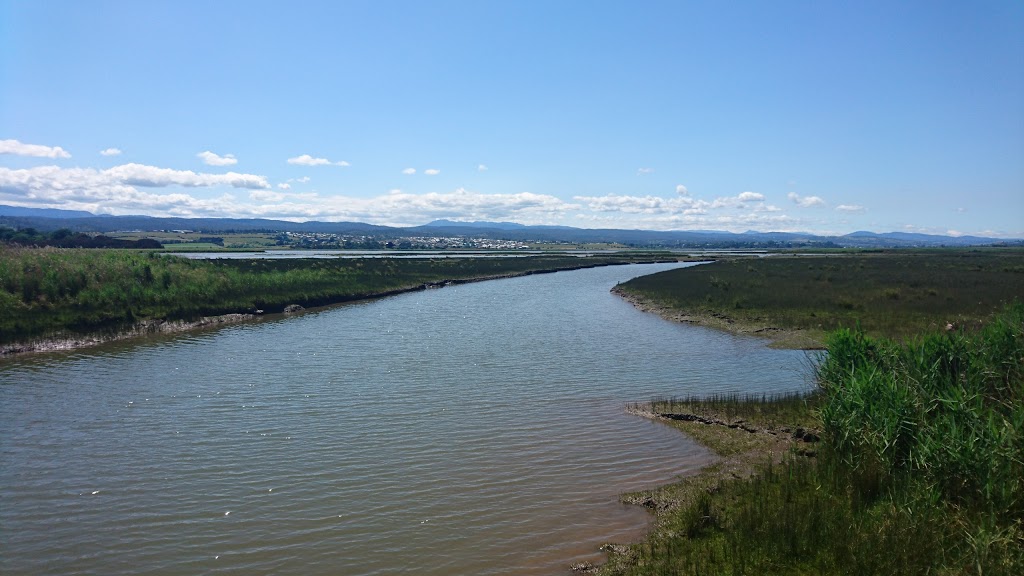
column 782, row 338
column 741, row 449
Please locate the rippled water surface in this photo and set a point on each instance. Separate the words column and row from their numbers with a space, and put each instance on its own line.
column 475, row 429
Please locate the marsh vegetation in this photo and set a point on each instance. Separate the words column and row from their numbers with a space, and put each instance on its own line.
column 917, row 459
column 45, row 292
column 897, row 294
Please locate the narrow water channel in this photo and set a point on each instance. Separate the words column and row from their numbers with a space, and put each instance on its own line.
column 474, row 429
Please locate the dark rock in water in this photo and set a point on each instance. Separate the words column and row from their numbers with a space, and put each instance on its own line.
column 293, row 308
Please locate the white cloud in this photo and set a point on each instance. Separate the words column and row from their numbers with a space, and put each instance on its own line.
column 266, row 196
column 37, row 150
column 682, row 190
column 431, row 171
column 302, row 180
column 151, row 176
column 117, row 190
column 961, row 210
column 307, row 160
column 111, row 152
column 644, row 171
column 653, row 212
column 409, row 171
column 114, row 191
column 750, row 197
column 284, row 186
column 212, row 159
column 850, row 208
column 805, row 201
column 482, row 168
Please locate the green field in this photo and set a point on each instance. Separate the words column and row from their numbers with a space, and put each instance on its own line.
column 896, row 294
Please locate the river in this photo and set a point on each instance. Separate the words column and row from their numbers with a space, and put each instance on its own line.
column 474, row 429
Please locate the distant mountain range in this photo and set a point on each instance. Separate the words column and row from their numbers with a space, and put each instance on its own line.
column 46, row 219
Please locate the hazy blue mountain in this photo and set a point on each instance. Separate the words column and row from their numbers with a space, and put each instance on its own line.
column 43, row 212
column 458, row 224
column 49, row 220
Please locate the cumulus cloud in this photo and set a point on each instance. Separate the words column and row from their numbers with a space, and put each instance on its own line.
column 431, row 171
column 212, row 159
column 805, row 201
column 653, row 212
column 117, row 190
column 114, row 191
column 284, row 186
column 266, row 196
column 151, row 176
column 37, row 150
column 750, row 197
column 307, row 160
column 644, row 171
column 302, row 180
column 129, row 190
column 400, row 208
column 682, row 190
column 111, row 152
column 409, row 171
column 482, row 168
column 850, row 208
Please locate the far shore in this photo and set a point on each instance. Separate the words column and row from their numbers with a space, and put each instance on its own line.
column 150, row 327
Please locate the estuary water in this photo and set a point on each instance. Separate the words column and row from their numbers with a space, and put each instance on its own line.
column 474, row 429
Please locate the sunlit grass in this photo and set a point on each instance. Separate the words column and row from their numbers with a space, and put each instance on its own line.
column 920, row 468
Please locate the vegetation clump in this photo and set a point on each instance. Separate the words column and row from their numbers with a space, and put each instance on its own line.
column 919, row 468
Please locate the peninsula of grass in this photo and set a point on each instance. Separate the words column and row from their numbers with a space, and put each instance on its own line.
column 60, row 293
column 798, row 299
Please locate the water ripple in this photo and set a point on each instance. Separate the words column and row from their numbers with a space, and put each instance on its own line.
column 474, row 429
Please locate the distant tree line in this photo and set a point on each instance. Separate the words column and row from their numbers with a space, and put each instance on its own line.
column 65, row 238
column 219, row 241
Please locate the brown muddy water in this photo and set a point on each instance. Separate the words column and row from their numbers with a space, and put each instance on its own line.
column 474, row 429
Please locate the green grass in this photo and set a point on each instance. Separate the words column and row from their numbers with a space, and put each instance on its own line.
column 48, row 292
column 920, row 468
column 896, row 294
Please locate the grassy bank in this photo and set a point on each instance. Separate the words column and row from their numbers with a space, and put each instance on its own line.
column 54, row 292
column 802, row 298
column 909, row 459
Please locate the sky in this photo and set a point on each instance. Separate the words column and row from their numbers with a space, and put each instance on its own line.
column 822, row 116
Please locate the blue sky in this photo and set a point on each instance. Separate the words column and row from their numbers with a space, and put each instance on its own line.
column 774, row 116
